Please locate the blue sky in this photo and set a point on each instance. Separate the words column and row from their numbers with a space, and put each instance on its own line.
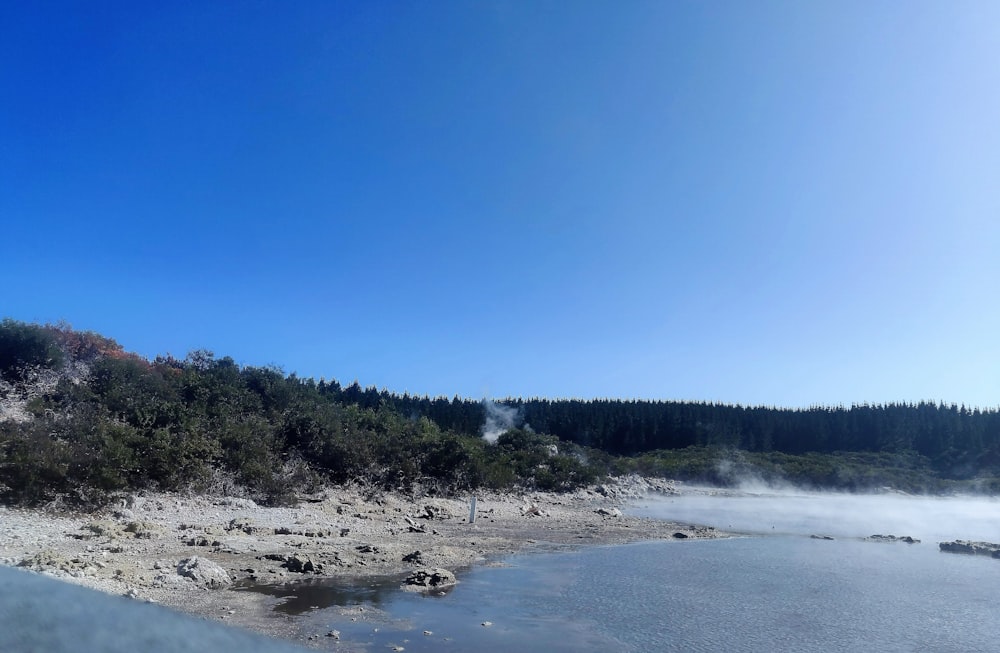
column 778, row 203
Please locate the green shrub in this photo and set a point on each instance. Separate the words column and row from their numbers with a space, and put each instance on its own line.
column 24, row 347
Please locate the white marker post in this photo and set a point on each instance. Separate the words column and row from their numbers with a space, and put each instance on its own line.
column 472, row 510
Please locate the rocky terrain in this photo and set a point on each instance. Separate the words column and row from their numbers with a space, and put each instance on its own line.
column 194, row 552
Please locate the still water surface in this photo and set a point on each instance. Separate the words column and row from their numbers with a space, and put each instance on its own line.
column 777, row 590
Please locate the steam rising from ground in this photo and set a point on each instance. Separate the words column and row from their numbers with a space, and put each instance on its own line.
column 499, row 420
column 931, row 519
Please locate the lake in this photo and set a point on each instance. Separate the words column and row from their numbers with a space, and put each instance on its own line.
column 777, row 589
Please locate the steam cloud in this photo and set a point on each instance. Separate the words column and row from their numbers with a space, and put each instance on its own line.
column 499, row 420
column 754, row 509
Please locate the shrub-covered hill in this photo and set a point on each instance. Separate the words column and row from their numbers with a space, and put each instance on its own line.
column 81, row 419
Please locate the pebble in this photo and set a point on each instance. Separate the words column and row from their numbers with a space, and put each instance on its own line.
column 487, row 624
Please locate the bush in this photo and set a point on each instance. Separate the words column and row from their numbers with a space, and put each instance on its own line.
column 24, row 347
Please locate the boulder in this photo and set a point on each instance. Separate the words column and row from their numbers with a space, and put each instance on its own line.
column 609, row 512
column 204, row 572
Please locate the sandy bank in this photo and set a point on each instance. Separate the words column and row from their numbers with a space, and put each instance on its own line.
column 138, row 548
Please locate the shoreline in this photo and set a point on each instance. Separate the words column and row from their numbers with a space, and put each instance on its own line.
column 137, row 548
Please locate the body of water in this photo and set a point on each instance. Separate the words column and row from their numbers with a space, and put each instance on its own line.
column 778, row 589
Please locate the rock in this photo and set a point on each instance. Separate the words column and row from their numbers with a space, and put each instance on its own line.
column 892, row 538
column 334, row 634
column 430, row 578
column 487, row 624
column 300, row 564
column 413, row 526
column 971, row 548
column 679, row 536
column 531, row 510
column 821, row 537
column 416, row 558
column 434, row 512
column 204, row 572
column 609, row 512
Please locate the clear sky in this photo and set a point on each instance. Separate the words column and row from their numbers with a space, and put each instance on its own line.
column 781, row 203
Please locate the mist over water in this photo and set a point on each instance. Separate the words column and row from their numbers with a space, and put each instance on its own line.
column 777, row 591
column 794, row 512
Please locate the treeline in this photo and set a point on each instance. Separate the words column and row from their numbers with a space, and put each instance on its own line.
column 81, row 419
column 958, row 442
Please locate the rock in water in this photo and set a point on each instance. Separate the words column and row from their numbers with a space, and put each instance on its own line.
column 204, row 572
column 972, row 548
column 892, row 538
column 430, row 578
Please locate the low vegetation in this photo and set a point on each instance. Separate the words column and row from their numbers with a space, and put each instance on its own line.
column 82, row 420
